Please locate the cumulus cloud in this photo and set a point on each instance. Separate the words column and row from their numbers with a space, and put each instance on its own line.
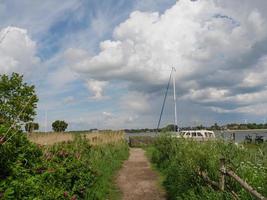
column 97, row 88
column 17, row 51
column 215, row 52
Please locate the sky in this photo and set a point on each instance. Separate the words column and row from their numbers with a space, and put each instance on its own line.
column 106, row 64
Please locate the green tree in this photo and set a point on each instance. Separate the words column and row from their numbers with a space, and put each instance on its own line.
column 215, row 127
column 169, row 128
column 17, row 100
column 31, row 126
column 59, row 126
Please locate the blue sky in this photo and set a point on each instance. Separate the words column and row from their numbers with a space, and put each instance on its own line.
column 106, row 64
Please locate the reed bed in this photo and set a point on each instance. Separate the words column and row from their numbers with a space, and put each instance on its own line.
column 50, row 138
column 103, row 137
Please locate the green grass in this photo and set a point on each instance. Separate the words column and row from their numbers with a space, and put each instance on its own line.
column 149, row 152
column 180, row 160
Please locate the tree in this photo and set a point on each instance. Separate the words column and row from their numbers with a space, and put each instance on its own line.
column 59, row 126
column 17, row 100
column 31, row 126
column 215, row 127
column 169, row 128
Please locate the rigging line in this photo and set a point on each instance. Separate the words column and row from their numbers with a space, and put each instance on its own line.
column 163, row 105
column 4, row 35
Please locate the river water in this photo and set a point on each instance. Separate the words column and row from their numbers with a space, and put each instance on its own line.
column 227, row 135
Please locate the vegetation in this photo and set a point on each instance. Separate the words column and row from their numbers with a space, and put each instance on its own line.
column 246, row 126
column 142, row 130
column 59, row 126
column 169, row 128
column 93, row 138
column 17, row 100
column 50, row 138
column 31, row 126
column 68, row 170
column 141, row 141
column 180, row 161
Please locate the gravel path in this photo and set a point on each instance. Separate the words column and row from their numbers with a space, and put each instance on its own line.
column 136, row 179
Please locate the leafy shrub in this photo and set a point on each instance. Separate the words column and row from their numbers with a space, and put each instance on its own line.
column 16, row 152
column 69, row 170
column 180, row 160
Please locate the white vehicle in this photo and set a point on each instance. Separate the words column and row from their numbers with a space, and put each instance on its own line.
column 198, row 134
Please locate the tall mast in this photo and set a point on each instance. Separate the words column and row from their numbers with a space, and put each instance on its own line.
column 174, row 99
column 45, row 120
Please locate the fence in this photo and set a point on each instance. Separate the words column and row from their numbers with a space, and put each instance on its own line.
column 222, row 186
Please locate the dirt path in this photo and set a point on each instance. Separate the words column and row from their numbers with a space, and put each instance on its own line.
column 136, row 179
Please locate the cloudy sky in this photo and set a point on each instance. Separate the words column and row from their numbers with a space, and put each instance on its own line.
column 106, row 64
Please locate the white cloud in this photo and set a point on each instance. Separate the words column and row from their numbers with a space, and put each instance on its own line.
column 257, row 76
column 17, row 51
column 256, row 109
column 212, row 49
column 97, row 88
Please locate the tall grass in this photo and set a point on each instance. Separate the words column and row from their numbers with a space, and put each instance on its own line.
column 105, row 137
column 51, row 138
column 180, row 161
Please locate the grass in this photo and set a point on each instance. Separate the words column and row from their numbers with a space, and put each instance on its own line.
column 179, row 161
column 105, row 137
column 94, row 138
column 149, row 152
column 50, row 138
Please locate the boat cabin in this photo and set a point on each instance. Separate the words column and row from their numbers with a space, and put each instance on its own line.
column 197, row 134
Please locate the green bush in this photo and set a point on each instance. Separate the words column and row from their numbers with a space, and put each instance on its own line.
column 16, row 152
column 70, row 170
column 180, row 160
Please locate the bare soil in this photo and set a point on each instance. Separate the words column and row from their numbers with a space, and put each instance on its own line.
column 137, row 180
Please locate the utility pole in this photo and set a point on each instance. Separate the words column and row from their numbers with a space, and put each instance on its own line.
column 174, row 99
column 45, row 120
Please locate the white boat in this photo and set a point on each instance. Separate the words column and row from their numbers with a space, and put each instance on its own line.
column 201, row 135
column 197, row 134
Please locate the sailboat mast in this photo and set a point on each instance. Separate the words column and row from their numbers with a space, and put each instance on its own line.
column 174, row 99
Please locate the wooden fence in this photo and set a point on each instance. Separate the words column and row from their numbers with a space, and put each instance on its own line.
column 222, row 186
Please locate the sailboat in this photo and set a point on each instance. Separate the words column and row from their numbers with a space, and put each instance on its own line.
column 172, row 77
column 193, row 134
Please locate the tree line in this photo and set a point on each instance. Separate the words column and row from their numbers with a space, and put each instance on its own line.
column 57, row 126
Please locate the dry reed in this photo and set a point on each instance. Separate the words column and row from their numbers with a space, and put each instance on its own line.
column 50, row 138
column 103, row 137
